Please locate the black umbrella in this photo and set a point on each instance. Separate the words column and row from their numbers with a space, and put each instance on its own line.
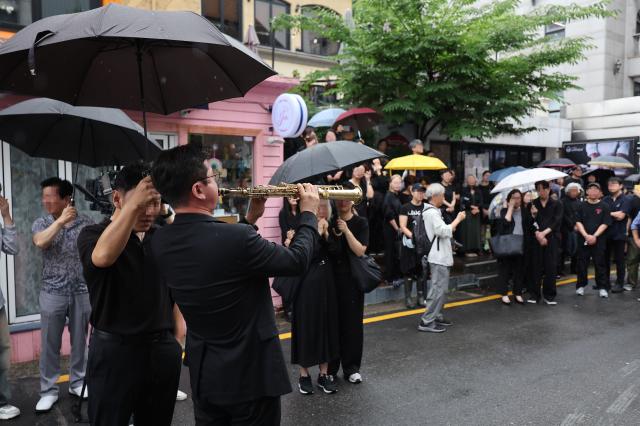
column 558, row 163
column 321, row 159
column 91, row 136
column 122, row 57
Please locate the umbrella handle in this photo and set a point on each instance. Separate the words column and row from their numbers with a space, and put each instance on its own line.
column 40, row 37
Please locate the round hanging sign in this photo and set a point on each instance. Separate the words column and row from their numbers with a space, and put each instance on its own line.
column 289, row 115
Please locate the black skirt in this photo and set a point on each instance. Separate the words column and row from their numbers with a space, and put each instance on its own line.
column 314, row 326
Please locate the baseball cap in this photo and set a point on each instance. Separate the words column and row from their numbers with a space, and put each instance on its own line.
column 596, row 184
column 418, row 187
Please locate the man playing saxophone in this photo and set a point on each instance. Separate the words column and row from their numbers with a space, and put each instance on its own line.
column 218, row 275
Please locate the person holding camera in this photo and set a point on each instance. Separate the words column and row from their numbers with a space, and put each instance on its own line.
column 8, row 245
column 64, row 291
column 134, row 358
column 218, row 276
column 439, row 258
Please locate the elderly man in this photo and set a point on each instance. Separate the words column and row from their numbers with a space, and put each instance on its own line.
column 439, row 258
column 64, row 293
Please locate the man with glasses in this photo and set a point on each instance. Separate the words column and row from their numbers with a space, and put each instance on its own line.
column 134, row 359
column 218, row 275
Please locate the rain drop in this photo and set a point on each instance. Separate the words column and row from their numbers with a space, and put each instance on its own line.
column 163, row 80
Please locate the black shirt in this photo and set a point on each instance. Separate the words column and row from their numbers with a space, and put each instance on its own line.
column 592, row 216
column 549, row 216
column 634, row 208
column 391, row 207
column 128, row 297
column 569, row 207
column 338, row 246
column 485, row 190
column 411, row 211
column 618, row 228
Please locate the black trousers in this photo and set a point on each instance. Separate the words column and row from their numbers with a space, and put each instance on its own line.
column 585, row 254
column 616, row 248
column 510, row 268
column 136, row 376
column 569, row 249
column 391, row 262
column 545, row 260
column 350, row 313
column 264, row 411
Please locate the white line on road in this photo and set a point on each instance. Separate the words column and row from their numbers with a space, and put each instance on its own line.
column 573, row 419
column 630, row 368
column 623, row 401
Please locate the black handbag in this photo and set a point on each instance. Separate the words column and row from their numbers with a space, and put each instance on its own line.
column 507, row 245
column 365, row 271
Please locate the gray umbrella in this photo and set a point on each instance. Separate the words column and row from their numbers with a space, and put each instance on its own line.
column 321, row 159
column 92, row 136
column 122, row 57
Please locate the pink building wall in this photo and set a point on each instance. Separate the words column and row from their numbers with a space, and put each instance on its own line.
column 247, row 116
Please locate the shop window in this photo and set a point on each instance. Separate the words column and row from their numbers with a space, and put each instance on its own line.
column 15, row 14
column 636, row 88
column 319, row 96
column 555, row 30
column 265, row 11
column 226, row 15
column 232, row 157
column 312, row 42
column 638, row 23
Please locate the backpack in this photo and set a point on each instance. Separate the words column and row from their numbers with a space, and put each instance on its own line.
column 421, row 240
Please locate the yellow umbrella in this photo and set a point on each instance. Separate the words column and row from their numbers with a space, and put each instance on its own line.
column 415, row 162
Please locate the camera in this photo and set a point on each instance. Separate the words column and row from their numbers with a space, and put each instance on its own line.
column 98, row 192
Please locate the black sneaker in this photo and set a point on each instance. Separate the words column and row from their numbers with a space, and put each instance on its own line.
column 443, row 321
column 617, row 289
column 305, row 385
column 432, row 327
column 327, row 384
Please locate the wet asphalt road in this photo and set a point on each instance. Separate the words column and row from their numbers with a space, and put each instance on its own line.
column 577, row 363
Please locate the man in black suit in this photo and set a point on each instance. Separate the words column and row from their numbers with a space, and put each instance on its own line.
column 218, row 275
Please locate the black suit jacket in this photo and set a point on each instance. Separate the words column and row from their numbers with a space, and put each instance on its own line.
column 218, row 275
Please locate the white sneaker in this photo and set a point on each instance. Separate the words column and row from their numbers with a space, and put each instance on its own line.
column 580, row 291
column 45, row 403
column 8, row 412
column 550, row 302
column 181, row 396
column 355, row 378
column 603, row 293
column 76, row 392
column 627, row 287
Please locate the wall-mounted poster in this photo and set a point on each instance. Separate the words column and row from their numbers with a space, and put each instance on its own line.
column 583, row 152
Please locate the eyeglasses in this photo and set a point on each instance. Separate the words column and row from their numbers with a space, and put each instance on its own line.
column 215, row 176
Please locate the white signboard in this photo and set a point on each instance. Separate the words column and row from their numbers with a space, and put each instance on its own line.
column 289, row 115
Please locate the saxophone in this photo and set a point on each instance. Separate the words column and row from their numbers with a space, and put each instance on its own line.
column 326, row 192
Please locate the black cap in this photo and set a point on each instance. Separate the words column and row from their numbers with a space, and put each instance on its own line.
column 596, row 184
column 418, row 187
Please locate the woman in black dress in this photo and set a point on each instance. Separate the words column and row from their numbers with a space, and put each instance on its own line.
column 288, row 220
column 349, row 233
column 469, row 230
column 391, row 229
column 314, row 328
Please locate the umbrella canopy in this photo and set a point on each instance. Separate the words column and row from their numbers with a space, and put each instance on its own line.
column 360, row 118
column 527, row 177
column 612, row 162
column 498, row 175
column 561, row 163
column 633, row 178
column 92, row 136
column 325, row 118
column 415, row 162
column 322, row 158
column 123, row 57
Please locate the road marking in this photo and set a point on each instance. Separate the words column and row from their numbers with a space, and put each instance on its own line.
column 630, row 368
column 285, row 336
column 573, row 419
column 623, row 401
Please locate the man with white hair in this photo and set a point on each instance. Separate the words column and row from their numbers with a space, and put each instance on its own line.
column 439, row 258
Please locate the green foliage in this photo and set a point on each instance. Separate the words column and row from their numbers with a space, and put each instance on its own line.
column 475, row 71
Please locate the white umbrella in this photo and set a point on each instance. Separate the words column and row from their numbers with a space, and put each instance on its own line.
column 527, row 177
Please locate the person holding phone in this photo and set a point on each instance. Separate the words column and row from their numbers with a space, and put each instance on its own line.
column 64, row 291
